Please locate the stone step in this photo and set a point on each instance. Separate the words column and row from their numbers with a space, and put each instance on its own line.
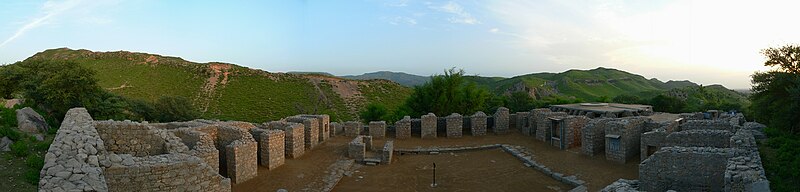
column 371, row 160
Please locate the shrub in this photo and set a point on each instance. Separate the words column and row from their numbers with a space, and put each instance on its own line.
column 10, row 133
column 20, row 148
column 171, row 108
column 42, row 146
column 32, row 176
column 374, row 112
column 34, row 162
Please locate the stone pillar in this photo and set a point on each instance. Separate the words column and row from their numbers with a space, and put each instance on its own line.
column 271, row 143
column 429, row 126
column 311, row 128
column 478, row 123
column 522, row 123
column 377, row 129
column 403, row 128
column 454, row 125
column 335, row 129
column 323, row 122
column 386, row 153
column 352, row 128
column 501, row 121
column 357, row 149
column 242, row 161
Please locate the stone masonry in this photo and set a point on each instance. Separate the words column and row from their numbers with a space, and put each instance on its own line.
column 358, row 147
column 323, row 126
column 429, row 126
column 294, row 144
column 454, row 125
column 523, row 122
column 377, row 129
column 544, row 124
column 501, row 121
column 311, row 130
column 403, row 128
column 672, row 168
column 352, row 128
column 386, row 153
column 623, row 139
column 478, row 123
column 271, row 143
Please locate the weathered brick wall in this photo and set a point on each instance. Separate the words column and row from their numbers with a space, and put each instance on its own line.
column 685, row 169
column 167, row 172
column 311, row 130
column 454, row 125
column 403, row 128
column 699, row 138
column 76, row 150
column 429, row 126
column 324, row 126
column 543, row 124
column 478, row 123
column 270, row 147
column 377, row 129
column 352, row 128
column 386, row 153
column 294, row 141
column 629, row 130
column 501, row 121
column 572, row 130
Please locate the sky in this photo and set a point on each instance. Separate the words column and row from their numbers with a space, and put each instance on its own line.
column 705, row 41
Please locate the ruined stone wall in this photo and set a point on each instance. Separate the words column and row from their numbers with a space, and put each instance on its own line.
column 200, row 145
column 337, row 129
column 533, row 121
column 629, row 131
column 454, row 125
column 377, row 129
column 501, row 121
column 136, row 139
column 73, row 161
column 403, row 128
column 685, row 169
column 429, row 126
column 311, row 130
column 294, row 141
column 352, row 128
column 593, row 138
column 572, row 130
column 478, row 124
column 386, row 153
column 543, row 124
column 167, row 172
column 745, row 173
column 699, row 138
column 270, row 147
column 523, row 122
column 357, row 148
column 242, row 160
column 719, row 124
column 654, row 139
column 323, row 126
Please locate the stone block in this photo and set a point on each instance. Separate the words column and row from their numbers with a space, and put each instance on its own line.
column 377, row 129
column 429, row 126
column 501, row 124
column 403, row 128
column 352, row 128
column 454, row 125
column 478, row 123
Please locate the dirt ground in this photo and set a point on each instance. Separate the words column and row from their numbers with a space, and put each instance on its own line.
column 473, row 172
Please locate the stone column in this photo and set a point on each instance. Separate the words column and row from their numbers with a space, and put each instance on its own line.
column 501, row 121
column 352, row 128
column 429, row 126
column 454, row 125
column 478, row 123
column 403, row 128
column 377, row 129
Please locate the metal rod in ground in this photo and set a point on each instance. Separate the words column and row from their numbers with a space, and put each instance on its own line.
column 434, row 176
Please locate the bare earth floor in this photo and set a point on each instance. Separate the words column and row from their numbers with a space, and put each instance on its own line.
column 471, row 170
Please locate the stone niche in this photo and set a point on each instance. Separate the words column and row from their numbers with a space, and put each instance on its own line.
column 238, row 151
column 294, row 144
column 324, row 126
column 565, row 132
column 544, row 124
column 623, row 139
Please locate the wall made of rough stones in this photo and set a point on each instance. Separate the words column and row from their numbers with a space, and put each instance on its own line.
column 429, row 126
column 242, row 160
column 324, row 126
column 719, row 124
column 685, row 169
column 654, row 138
column 572, row 130
column 200, row 145
column 357, row 148
column 270, row 147
column 522, row 122
column 699, row 138
column 337, row 129
column 137, row 139
column 167, row 172
column 543, row 124
column 73, row 160
column 311, row 127
column 501, row 118
column 593, row 138
column 294, row 144
column 352, row 128
column 403, row 128
column 478, row 123
column 386, row 153
column 455, row 125
column 377, row 129
column 630, row 132
column 533, row 120
column 745, row 173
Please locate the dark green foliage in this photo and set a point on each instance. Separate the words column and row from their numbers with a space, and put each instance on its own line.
column 374, row 112
column 9, row 82
column 58, row 85
column 42, row 146
column 520, row 101
column 781, row 160
column 32, row 176
column 667, row 104
column 34, row 162
column 8, row 118
column 175, row 108
column 142, row 110
column 627, row 99
column 20, row 148
column 776, row 100
column 446, row 94
column 10, row 133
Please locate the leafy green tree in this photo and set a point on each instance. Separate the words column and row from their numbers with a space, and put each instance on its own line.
column 374, row 112
column 9, row 81
column 175, row 108
column 667, row 104
column 627, row 99
column 446, row 94
column 776, row 94
column 58, row 85
column 520, row 101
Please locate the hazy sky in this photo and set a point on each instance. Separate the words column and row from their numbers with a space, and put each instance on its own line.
column 708, row 42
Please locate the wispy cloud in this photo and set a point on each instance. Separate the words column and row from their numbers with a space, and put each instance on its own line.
column 401, row 20
column 459, row 15
column 49, row 10
column 396, row 3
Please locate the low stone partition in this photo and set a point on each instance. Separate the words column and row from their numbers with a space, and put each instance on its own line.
column 137, row 139
column 358, row 147
column 166, row 172
column 311, row 130
column 403, row 128
column 533, row 117
column 746, row 173
column 271, row 143
column 501, row 118
column 73, row 160
column 386, row 153
column 323, row 125
column 651, row 142
column 200, row 145
column 478, row 123
column 352, row 128
column 719, row 124
column 294, row 141
column 377, row 129
column 428, row 126
column 699, row 138
column 685, row 169
column 454, row 125
column 238, row 151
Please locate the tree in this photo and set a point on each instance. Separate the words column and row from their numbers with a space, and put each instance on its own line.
column 627, row 99
column 175, row 108
column 520, row 101
column 58, row 85
column 667, row 104
column 446, row 94
column 9, row 81
column 786, row 58
column 776, row 93
column 374, row 112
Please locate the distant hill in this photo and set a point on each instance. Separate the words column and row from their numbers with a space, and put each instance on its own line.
column 228, row 91
column 401, row 78
column 310, row 73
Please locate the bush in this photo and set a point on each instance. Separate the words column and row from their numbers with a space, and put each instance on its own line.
column 20, row 148
column 10, row 133
column 374, row 112
column 34, row 162
column 8, row 117
column 32, row 176
column 446, row 94
column 42, row 146
column 169, row 108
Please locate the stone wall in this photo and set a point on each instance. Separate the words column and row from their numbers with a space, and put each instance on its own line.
column 429, row 126
column 454, row 125
column 593, row 140
column 522, row 122
column 628, row 132
column 358, row 147
column 572, row 130
column 294, row 140
column 200, row 145
column 352, row 128
column 478, row 124
column 311, row 130
column 651, row 142
column 271, row 143
column 337, row 129
column 699, row 138
column 377, row 129
column 719, row 124
column 501, row 121
column 73, row 160
column 745, row 173
column 136, row 139
column 323, row 126
column 535, row 114
column 386, row 153
column 543, row 124
column 685, row 169
column 403, row 128
column 166, row 172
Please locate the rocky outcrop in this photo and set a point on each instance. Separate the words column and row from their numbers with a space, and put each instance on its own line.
column 30, row 122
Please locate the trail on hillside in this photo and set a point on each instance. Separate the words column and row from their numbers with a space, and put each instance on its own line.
column 219, row 78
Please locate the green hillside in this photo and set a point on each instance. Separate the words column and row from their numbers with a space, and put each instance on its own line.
column 404, row 79
column 230, row 92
